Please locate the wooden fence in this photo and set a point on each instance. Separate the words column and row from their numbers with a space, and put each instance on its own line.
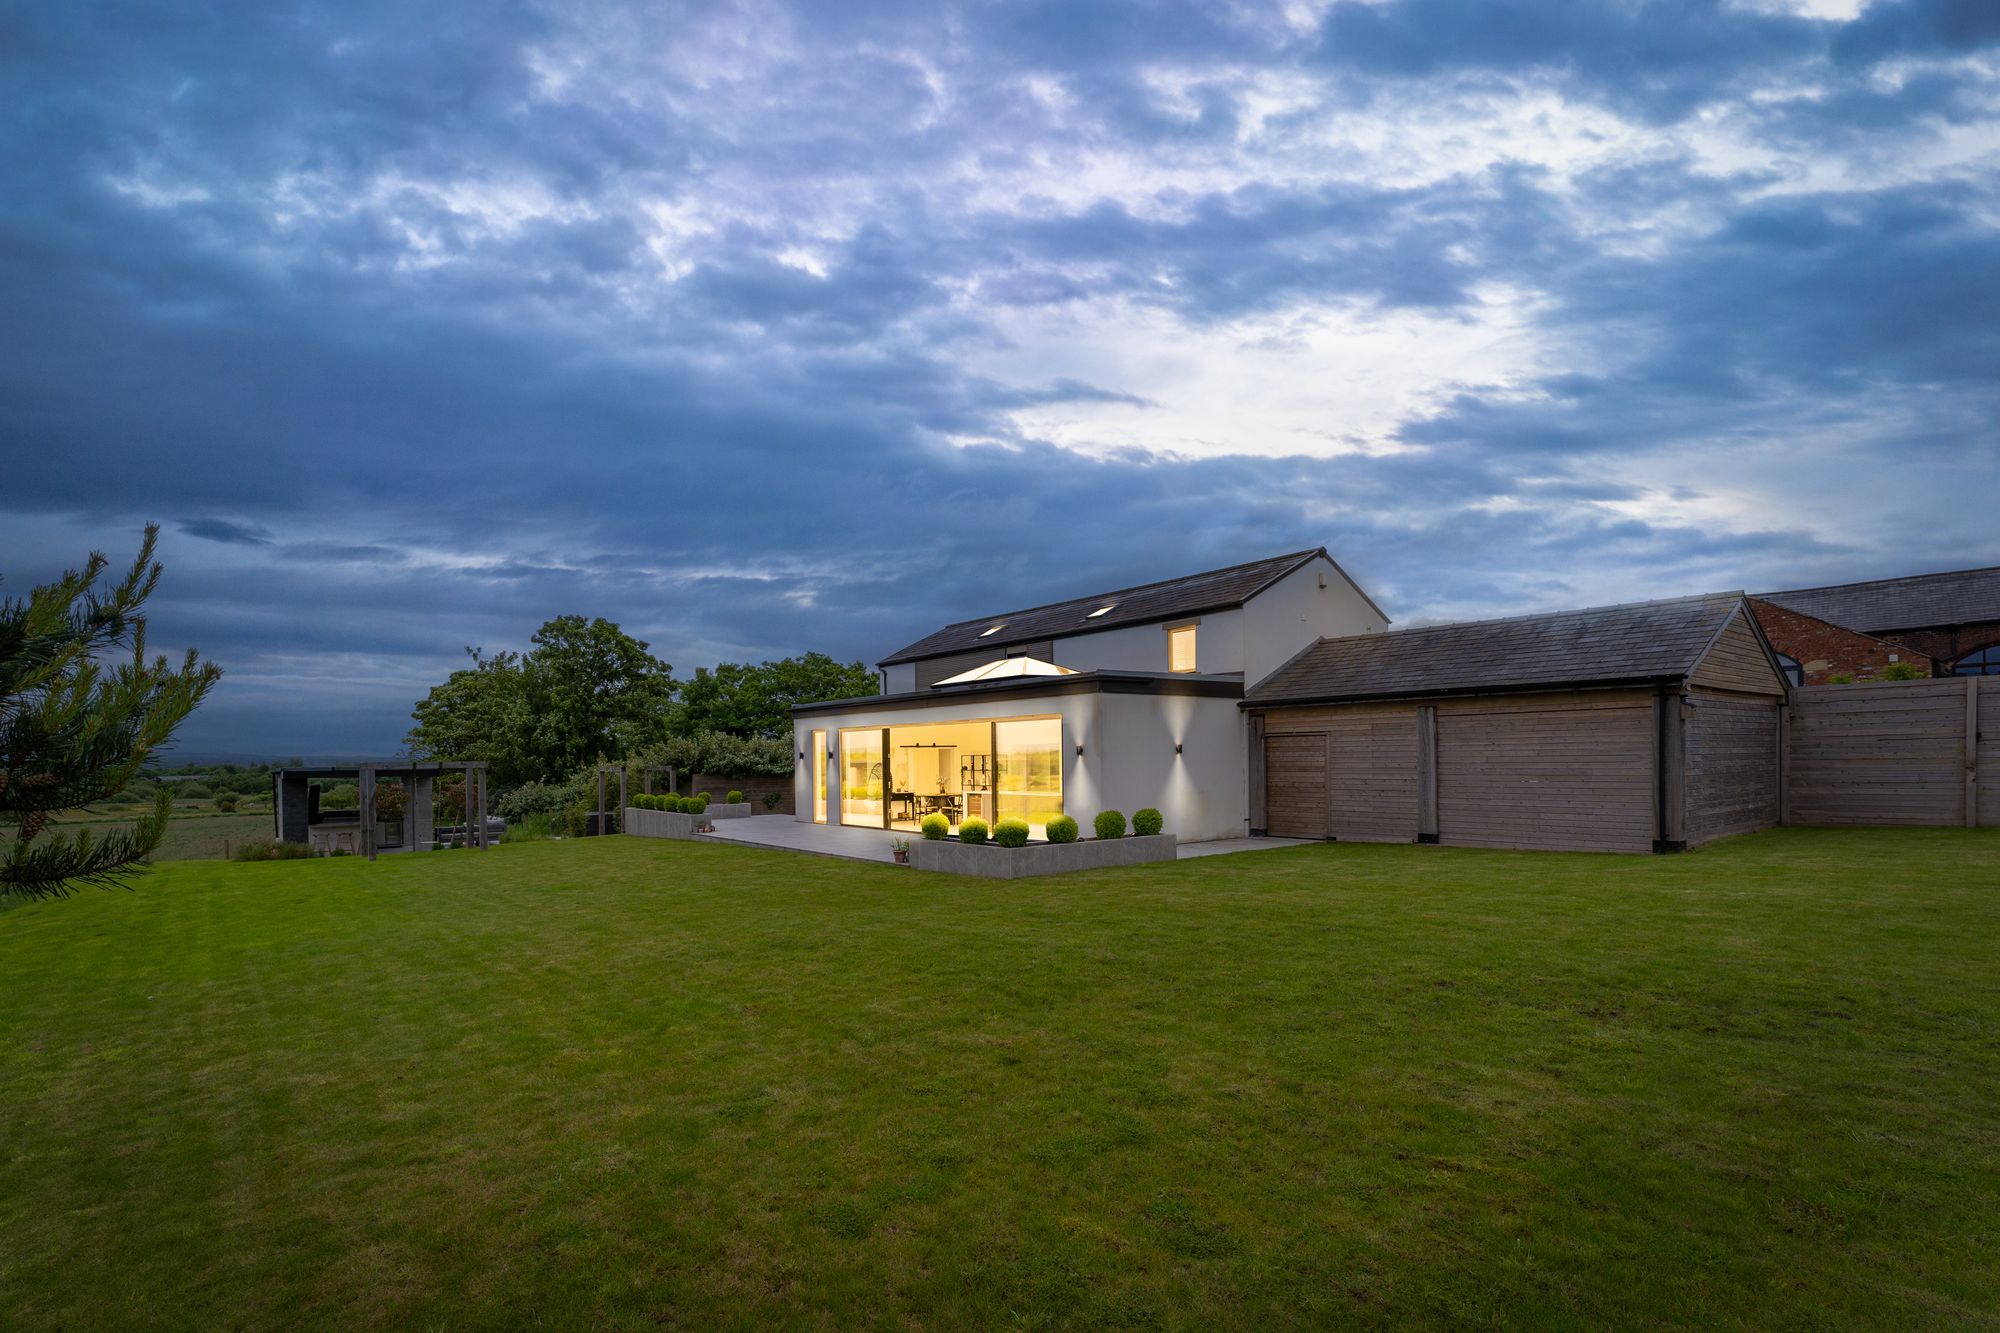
column 1894, row 753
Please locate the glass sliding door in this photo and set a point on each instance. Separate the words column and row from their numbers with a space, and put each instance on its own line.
column 940, row 768
column 817, row 758
column 863, row 776
column 1027, row 761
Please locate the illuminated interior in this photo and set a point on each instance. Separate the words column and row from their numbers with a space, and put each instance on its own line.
column 1180, row 648
column 962, row 770
column 861, row 776
column 818, row 762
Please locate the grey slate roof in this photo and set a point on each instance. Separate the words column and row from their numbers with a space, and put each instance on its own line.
column 1641, row 642
column 1959, row 597
column 1212, row 590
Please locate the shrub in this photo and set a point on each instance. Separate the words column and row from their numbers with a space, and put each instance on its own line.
column 972, row 831
column 545, row 798
column 771, row 800
column 935, row 826
column 1841, row 678
column 271, row 851
column 1147, row 822
column 1062, row 829
column 701, row 796
column 734, row 798
column 1011, row 833
column 576, row 819
column 1900, row 671
column 1111, row 824
column 226, row 803
column 700, row 804
column 195, row 791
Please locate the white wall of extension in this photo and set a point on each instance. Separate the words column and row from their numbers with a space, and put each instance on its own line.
column 1128, row 760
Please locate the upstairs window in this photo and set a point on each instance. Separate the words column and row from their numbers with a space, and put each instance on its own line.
column 1180, row 648
column 1793, row 671
column 1981, row 662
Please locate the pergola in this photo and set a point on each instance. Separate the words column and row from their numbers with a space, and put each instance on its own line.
column 291, row 800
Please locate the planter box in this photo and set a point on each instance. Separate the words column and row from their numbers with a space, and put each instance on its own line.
column 663, row 823
column 724, row 810
column 991, row 861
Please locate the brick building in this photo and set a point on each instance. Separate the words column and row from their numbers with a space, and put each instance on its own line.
column 1942, row 624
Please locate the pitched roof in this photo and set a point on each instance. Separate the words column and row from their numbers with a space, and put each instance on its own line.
column 1640, row 642
column 1958, row 597
column 1212, row 590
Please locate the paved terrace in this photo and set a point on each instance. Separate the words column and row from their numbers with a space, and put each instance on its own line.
column 867, row 844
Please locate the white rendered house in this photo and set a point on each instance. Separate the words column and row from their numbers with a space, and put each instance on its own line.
column 1115, row 701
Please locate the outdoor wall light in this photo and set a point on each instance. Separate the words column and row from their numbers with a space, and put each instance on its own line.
column 1177, row 748
column 1079, row 752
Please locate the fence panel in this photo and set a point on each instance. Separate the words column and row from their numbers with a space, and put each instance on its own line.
column 1892, row 753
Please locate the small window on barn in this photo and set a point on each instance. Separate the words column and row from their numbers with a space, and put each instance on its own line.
column 1983, row 662
column 1793, row 671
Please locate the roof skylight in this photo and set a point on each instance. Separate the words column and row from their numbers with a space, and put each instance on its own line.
column 991, row 630
column 1101, row 611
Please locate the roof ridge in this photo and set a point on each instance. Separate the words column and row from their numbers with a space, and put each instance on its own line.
column 1870, row 583
column 1543, row 615
column 1133, row 588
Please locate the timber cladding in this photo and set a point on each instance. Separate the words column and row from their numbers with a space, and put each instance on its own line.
column 1895, row 753
column 1366, row 777
column 1733, row 753
column 1295, row 784
column 1547, row 771
column 1570, row 772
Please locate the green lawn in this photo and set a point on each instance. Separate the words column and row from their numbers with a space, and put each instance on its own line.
column 623, row 1083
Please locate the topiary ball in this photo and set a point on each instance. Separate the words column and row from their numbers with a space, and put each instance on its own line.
column 1147, row 822
column 972, row 831
column 1062, row 829
column 1111, row 824
column 935, row 827
column 1011, row 833
column 735, row 798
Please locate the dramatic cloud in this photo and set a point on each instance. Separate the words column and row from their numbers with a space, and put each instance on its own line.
column 764, row 327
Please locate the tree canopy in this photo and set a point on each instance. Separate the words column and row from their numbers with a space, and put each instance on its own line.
column 76, row 728
column 745, row 700
column 587, row 691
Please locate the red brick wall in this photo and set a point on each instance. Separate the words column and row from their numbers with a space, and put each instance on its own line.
column 1825, row 650
column 719, row 785
column 1946, row 646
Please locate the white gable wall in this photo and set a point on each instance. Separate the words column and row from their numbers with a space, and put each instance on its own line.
column 1218, row 646
column 1296, row 611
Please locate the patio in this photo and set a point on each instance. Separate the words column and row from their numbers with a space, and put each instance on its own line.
column 864, row 844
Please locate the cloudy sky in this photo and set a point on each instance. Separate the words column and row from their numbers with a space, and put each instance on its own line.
column 764, row 327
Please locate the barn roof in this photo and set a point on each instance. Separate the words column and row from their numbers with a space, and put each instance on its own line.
column 1189, row 595
column 1915, row 601
column 1634, row 644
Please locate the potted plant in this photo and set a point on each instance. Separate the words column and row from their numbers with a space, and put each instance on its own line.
column 900, row 847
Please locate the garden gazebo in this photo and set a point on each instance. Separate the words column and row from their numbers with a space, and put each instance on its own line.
column 298, row 818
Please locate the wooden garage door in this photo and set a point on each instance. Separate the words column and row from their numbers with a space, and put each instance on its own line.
column 1295, row 784
column 1373, row 785
column 1547, row 774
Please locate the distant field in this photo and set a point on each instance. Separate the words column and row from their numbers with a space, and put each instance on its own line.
column 199, row 834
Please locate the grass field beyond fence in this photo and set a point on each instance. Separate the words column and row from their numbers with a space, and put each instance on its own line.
column 624, row 1083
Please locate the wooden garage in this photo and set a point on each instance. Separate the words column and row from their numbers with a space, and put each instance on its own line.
column 1649, row 727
